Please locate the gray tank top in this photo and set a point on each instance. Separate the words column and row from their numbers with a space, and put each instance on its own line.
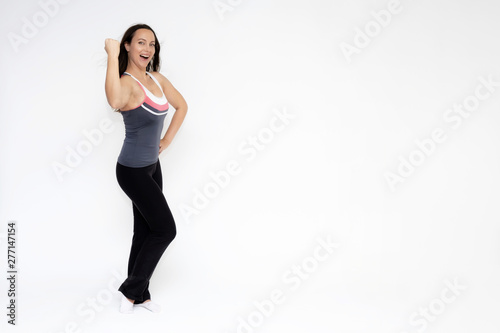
column 143, row 127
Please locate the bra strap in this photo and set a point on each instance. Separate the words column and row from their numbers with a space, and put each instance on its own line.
column 156, row 81
column 133, row 77
column 152, row 76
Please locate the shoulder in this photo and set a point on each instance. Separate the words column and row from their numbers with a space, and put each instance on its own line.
column 162, row 79
column 159, row 76
column 126, row 78
column 127, row 81
column 129, row 85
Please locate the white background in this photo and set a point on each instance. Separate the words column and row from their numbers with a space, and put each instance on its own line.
column 322, row 176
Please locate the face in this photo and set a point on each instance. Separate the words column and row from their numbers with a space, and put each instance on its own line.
column 142, row 48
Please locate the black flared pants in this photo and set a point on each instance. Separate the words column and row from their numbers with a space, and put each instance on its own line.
column 154, row 226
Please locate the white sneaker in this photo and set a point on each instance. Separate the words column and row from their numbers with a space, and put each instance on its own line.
column 126, row 306
column 150, row 305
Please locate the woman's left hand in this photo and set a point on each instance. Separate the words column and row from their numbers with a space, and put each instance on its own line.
column 164, row 143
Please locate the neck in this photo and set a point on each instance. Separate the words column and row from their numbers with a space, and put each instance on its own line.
column 136, row 71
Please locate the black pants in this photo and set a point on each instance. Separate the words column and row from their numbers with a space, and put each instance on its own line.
column 154, row 226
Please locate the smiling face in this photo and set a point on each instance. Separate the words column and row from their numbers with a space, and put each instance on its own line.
column 142, row 48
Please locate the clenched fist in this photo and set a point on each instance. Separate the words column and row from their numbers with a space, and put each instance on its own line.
column 112, row 47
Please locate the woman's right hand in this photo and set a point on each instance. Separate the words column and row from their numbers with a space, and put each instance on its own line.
column 112, row 47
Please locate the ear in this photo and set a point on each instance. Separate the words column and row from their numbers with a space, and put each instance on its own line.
column 127, row 46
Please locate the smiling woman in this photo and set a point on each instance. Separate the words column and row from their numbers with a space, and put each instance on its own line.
column 142, row 41
column 143, row 96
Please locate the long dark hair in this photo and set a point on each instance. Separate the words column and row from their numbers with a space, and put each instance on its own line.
column 154, row 64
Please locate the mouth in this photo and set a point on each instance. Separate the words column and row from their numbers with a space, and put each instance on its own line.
column 144, row 57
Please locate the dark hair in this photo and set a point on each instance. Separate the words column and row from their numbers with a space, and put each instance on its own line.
column 154, row 64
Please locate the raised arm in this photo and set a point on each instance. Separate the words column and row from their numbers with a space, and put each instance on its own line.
column 116, row 92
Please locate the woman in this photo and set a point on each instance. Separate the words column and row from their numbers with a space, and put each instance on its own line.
column 142, row 95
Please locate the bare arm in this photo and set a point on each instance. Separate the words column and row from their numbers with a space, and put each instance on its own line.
column 117, row 93
column 176, row 100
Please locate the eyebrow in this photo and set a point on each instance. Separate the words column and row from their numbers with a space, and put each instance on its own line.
column 146, row 40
